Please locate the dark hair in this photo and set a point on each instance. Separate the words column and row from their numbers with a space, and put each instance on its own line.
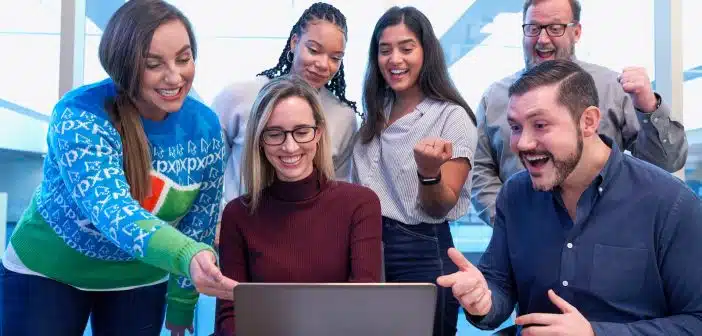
column 576, row 88
column 122, row 52
column 574, row 7
column 434, row 79
column 318, row 11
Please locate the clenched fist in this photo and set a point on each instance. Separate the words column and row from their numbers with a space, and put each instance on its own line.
column 430, row 154
column 636, row 83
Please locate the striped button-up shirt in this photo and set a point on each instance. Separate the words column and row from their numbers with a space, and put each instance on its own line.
column 387, row 166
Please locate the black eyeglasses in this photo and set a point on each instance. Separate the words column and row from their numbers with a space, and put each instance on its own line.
column 302, row 134
column 553, row 30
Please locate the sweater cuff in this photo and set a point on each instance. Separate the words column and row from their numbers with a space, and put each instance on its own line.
column 186, row 254
column 172, row 251
column 181, row 301
column 179, row 314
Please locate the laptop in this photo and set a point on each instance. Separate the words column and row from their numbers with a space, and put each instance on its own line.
column 340, row 309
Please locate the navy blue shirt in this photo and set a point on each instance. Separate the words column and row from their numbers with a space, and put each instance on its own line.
column 631, row 262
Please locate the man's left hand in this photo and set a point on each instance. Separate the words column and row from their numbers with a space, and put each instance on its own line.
column 636, row 83
column 570, row 323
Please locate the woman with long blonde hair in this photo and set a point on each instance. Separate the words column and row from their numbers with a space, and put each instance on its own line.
column 295, row 223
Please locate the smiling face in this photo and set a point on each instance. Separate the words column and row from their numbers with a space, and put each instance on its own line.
column 544, row 136
column 289, row 139
column 168, row 71
column 318, row 52
column 400, row 58
column 545, row 47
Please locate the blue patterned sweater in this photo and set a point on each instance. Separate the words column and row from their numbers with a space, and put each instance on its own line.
column 83, row 227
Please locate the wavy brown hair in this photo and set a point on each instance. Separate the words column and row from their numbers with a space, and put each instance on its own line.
column 122, row 52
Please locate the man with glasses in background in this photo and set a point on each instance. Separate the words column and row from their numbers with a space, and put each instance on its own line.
column 633, row 115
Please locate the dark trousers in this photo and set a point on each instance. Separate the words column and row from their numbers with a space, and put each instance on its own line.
column 33, row 305
column 418, row 253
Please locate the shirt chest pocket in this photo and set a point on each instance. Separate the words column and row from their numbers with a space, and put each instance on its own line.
column 618, row 273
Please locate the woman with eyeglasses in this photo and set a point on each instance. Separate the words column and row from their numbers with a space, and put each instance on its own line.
column 295, row 223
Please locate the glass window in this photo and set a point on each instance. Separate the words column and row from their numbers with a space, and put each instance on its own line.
column 29, row 31
column 692, row 86
column 241, row 44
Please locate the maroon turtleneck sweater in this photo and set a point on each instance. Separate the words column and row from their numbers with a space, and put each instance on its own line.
column 311, row 230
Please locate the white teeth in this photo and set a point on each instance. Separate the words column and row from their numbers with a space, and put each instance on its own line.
column 290, row 159
column 168, row 93
column 535, row 157
column 398, row 72
column 545, row 50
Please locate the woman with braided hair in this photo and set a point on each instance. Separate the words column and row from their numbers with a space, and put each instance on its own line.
column 314, row 51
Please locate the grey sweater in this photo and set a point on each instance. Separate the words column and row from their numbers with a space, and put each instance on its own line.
column 652, row 137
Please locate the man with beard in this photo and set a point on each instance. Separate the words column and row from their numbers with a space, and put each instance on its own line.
column 632, row 113
column 587, row 241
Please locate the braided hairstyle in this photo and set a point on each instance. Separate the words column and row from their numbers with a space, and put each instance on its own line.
column 318, row 11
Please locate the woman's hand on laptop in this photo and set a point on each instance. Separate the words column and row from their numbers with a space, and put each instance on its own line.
column 468, row 285
column 207, row 277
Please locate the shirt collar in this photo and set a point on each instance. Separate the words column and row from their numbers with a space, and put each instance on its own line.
column 609, row 171
column 301, row 190
column 422, row 107
column 613, row 165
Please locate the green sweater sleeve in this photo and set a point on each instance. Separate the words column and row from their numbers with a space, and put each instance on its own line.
column 181, row 302
column 173, row 251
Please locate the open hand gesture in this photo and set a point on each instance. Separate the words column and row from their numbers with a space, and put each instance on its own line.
column 468, row 285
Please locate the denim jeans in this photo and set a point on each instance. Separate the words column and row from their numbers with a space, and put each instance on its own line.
column 418, row 253
column 33, row 305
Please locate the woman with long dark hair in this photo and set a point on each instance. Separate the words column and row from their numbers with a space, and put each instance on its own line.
column 415, row 150
column 121, row 227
